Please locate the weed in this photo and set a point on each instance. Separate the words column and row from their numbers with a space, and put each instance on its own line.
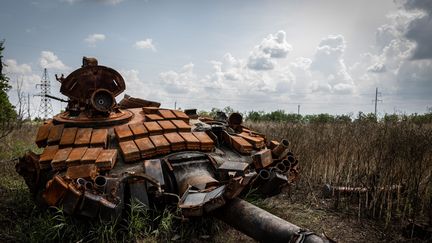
column 365, row 154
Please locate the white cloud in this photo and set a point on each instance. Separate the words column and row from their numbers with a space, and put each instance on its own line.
column 22, row 73
column 145, row 44
column 134, row 85
column 273, row 46
column 130, row 76
column 266, row 80
column 377, row 68
column 328, row 65
column 94, row 38
column 276, row 45
column 11, row 66
column 49, row 60
column 182, row 82
column 260, row 61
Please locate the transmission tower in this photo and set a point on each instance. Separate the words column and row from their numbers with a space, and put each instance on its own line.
column 45, row 108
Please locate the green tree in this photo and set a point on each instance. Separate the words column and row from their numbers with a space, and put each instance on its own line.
column 363, row 117
column 7, row 112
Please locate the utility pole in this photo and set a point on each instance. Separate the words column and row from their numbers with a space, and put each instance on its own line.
column 45, row 108
column 376, row 100
column 28, row 106
column 175, row 105
column 298, row 109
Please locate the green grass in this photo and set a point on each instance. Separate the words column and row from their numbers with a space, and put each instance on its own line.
column 346, row 154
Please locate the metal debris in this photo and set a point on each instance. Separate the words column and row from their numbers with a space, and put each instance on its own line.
column 98, row 154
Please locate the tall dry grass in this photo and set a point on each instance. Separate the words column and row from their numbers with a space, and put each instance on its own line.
column 365, row 154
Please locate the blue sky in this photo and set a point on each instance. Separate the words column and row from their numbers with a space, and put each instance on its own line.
column 327, row 56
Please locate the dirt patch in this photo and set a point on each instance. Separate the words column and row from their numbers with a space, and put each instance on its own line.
column 319, row 216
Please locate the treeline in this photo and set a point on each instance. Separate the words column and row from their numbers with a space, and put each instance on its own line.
column 282, row 116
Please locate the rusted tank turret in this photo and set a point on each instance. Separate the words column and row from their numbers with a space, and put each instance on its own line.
column 98, row 155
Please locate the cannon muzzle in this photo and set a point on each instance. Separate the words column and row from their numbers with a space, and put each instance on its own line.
column 262, row 225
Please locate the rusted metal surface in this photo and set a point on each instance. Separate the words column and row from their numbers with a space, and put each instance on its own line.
column 176, row 141
column 150, row 110
column 83, row 137
column 138, row 190
column 273, row 185
column 194, row 203
column 167, row 126
column 182, row 126
column 192, row 143
column 28, row 167
column 55, row 134
column 234, row 121
column 42, row 134
column 55, row 190
column 123, row 133
column 86, row 171
column 90, row 155
column 75, row 156
column 132, row 102
column 47, row 156
column 81, row 83
column 129, row 151
column 238, row 143
column 153, row 168
column 180, row 115
column 100, row 154
column 193, row 170
column 116, row 117
column 281, row 150
column 68, row 136
column 153, row 128
column 106, row 159
column 343, row 191
column 90, row 205
column 262, row 225
column 99, row 138
column 191, row 113
column 236, row 185
column 153, row 117
column 71, row 199
column 146, row 147
column 255, row 140
column 206, row 143
column 59, row 160
column 238, row 167
column 166, row 114
column 103, row 100
column 262, row 158
column 138, row 130
column 161, row 144
column 272, row 144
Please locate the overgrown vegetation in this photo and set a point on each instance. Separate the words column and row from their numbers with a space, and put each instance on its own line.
column 359, row 153
column 7, row 112
column 369, row 155
column 22, row 221
column 282, row 116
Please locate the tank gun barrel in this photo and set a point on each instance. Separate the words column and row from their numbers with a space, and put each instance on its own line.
column 56, row 98
column 262, row 225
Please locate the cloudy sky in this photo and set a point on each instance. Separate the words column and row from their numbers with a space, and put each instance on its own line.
column 326, row 56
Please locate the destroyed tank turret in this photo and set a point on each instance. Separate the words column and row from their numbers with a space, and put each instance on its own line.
column 99, row 155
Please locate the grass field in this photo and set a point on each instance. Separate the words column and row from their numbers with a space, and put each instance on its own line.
column 369, row 155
